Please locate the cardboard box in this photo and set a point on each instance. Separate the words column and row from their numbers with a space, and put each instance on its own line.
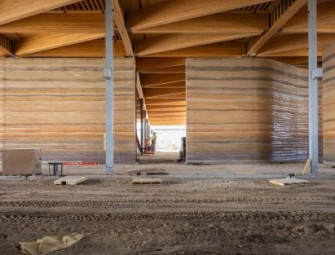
column 21, row 162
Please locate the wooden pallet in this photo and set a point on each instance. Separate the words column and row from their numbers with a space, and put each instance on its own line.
column 152, row 171
column 288, row 181
column 147, row 181
column 70, row 180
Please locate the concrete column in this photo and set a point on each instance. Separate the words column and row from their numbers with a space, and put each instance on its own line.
column 313, row 86
column 109, row 87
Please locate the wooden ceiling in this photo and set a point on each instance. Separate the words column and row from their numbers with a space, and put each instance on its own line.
column 160, row 34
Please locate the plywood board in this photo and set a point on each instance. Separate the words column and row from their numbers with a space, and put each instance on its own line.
column 147, row 181
column 146, row 171
column 70, row 180
column 288, row 181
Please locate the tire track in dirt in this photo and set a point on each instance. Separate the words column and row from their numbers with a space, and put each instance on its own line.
column 92, row 203
column 295, row 216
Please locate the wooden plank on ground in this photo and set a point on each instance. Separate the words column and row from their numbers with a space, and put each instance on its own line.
column 307, row 166
column 147, row 181
column 147, row 171
column 70, row 180
column 288, row 181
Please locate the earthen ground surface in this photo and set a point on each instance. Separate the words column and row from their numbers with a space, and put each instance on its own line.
column 227, row 209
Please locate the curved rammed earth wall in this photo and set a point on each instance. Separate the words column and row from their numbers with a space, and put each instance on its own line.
column 329, row 103
column 246, row 110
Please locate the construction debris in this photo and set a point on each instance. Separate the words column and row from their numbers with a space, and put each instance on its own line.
column 147, row 181
column 49, row 244
column 70, row 180
column 307, row 167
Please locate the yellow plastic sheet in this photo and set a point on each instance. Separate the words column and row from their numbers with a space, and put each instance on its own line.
column 49, row 244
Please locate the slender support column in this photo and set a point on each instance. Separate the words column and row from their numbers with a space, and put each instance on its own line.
column 147, row 128
column 142, row 126
column 109, row 87
column 313, row 86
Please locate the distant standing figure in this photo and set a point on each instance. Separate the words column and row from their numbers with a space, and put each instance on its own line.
column 153, row 142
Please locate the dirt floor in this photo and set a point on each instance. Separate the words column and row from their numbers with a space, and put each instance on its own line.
column 226, row 209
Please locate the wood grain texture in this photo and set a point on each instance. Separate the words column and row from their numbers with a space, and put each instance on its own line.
column 329, row 103
column 58, row 105
column 246, row 110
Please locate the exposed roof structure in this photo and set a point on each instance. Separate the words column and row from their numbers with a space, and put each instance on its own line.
column 160, row 34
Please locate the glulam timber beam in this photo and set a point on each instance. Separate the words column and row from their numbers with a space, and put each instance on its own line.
column 91, row 49
column 57, row 23
column 170, row 42
column 119, row 21
column 325, row 20
column 217, row 50
column 6, row 46
column 15, row 10
column 44, row 42
column 165, row 107
column 168, row 113
column 180, row 84
column 150, row 80
column 149, row 93
column 222, row 23
column 282, row 13
column 143, row 64
column 173, row 69
column 172, row 102
column 178, row 10
column 294, row 45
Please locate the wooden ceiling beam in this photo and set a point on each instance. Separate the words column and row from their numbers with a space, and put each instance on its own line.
column 150, row 80
column 294, row 45
column 173, row 69
column 119, row 21
column 151, row 63
column 165, row 107
column 217, row 50
column 176, row 101
column 180, row 84
column 6, row 46
column 325, row 20
column 171, row 42
column 167, row 113
column 150, row 93
column 222, row 23
column 57, row 23
column 15, row 10
column 91, row 49
column 169, row 123
column 279, row 17
column 46, row 42
column 178, row 10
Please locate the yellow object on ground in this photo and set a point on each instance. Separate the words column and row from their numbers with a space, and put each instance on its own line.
column 49, row 244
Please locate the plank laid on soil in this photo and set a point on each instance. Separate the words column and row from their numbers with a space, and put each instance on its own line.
column 147, row 171
column 147, row 181
column 70, row 180
column 288, row 181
